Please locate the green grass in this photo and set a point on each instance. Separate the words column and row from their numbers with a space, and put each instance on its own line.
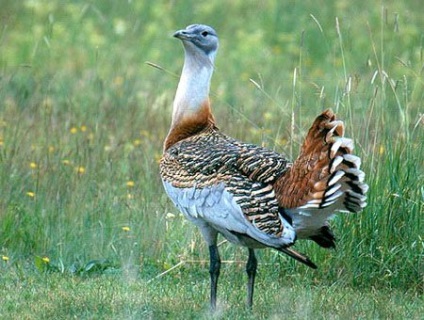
column 82, row 116
column 181, row 295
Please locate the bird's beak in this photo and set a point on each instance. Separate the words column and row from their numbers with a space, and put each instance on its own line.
column 182, row 35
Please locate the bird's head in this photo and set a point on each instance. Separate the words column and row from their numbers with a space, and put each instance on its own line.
column 199, row 40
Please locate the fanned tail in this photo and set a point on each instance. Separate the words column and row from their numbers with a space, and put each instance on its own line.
column 326, row 177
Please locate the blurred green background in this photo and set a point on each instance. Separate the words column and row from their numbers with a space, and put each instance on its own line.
column 83, row 115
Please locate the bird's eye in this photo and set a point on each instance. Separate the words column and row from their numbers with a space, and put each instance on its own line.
column 205, row 33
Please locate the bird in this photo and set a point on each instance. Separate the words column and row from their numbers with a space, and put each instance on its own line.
column 252, row 196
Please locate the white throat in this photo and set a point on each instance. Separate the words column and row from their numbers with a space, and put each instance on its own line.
column 193, row 87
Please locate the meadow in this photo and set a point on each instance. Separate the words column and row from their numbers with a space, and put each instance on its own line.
column 86, row 89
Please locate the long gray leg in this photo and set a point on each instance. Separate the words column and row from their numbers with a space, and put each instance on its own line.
column 214, row 269
column 251, row 267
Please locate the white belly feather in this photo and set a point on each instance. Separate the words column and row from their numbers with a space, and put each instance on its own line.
column 214, row 207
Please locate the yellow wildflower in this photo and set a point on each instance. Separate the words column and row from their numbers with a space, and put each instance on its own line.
column 130, row 184
column 73, row 130
column 5, row 258
column 46, row 259
column 170, row 215
column 30, row 194
column 136, row 142
column 33, row 165
column 81, row 170
column 126, row 229
column 66, row 162
column 83, row 128
column 268, row 115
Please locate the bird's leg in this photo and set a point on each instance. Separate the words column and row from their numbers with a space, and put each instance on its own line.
column 214, row 269
column 251, row 266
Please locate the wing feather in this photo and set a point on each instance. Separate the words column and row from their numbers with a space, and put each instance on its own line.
column 227, row 183
column 219, row 208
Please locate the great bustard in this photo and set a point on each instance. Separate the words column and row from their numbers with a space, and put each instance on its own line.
column 252, row 196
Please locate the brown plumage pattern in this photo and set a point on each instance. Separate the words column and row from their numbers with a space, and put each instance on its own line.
column 263, row 181
column 247, row 171
column 252, row 196
column 308, row 179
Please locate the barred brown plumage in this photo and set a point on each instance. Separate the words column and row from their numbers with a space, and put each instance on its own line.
column 210, row 158
column 251, row 195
